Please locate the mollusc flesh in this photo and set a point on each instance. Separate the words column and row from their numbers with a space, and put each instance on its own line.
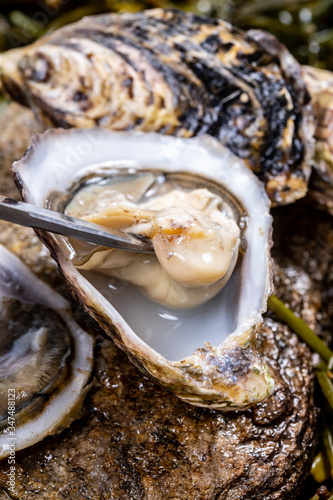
column 45, row 359
column 188, row 315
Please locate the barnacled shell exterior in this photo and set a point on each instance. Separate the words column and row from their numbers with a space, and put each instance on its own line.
column 320, row 85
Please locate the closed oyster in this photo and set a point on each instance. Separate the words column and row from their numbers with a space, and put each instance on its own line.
column 320, row 85
column 176, row 347
column 175, row 73
column 45, row 359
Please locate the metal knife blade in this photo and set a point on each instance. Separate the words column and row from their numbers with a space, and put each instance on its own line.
column 28, row 215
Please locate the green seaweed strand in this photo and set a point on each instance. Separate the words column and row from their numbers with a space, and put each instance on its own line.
column 299, row 326
column 325, row 382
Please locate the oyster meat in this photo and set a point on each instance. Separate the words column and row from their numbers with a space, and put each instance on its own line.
column 194, row 236
column 46, row 359
column 176, row 73
column 205, row 354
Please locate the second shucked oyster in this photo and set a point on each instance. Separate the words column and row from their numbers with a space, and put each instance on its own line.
column 46, row 359
column 194, row 328
column 175, row 73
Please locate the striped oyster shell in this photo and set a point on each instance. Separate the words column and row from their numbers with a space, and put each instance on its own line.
column 175, row 73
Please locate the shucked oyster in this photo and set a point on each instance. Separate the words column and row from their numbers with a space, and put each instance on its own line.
column 98, row 172
column 194, row 235
column 175, row 73
column 45, row 359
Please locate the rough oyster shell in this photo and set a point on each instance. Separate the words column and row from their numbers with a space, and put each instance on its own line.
column 228, row 376
column 176, row 73
column 46, row 359
column 320, row 85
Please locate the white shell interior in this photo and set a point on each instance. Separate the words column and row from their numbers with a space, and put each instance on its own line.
column 57, row 160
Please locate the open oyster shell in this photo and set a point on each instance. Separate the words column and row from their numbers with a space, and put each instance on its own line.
column 207, row 355
column 46, row 359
